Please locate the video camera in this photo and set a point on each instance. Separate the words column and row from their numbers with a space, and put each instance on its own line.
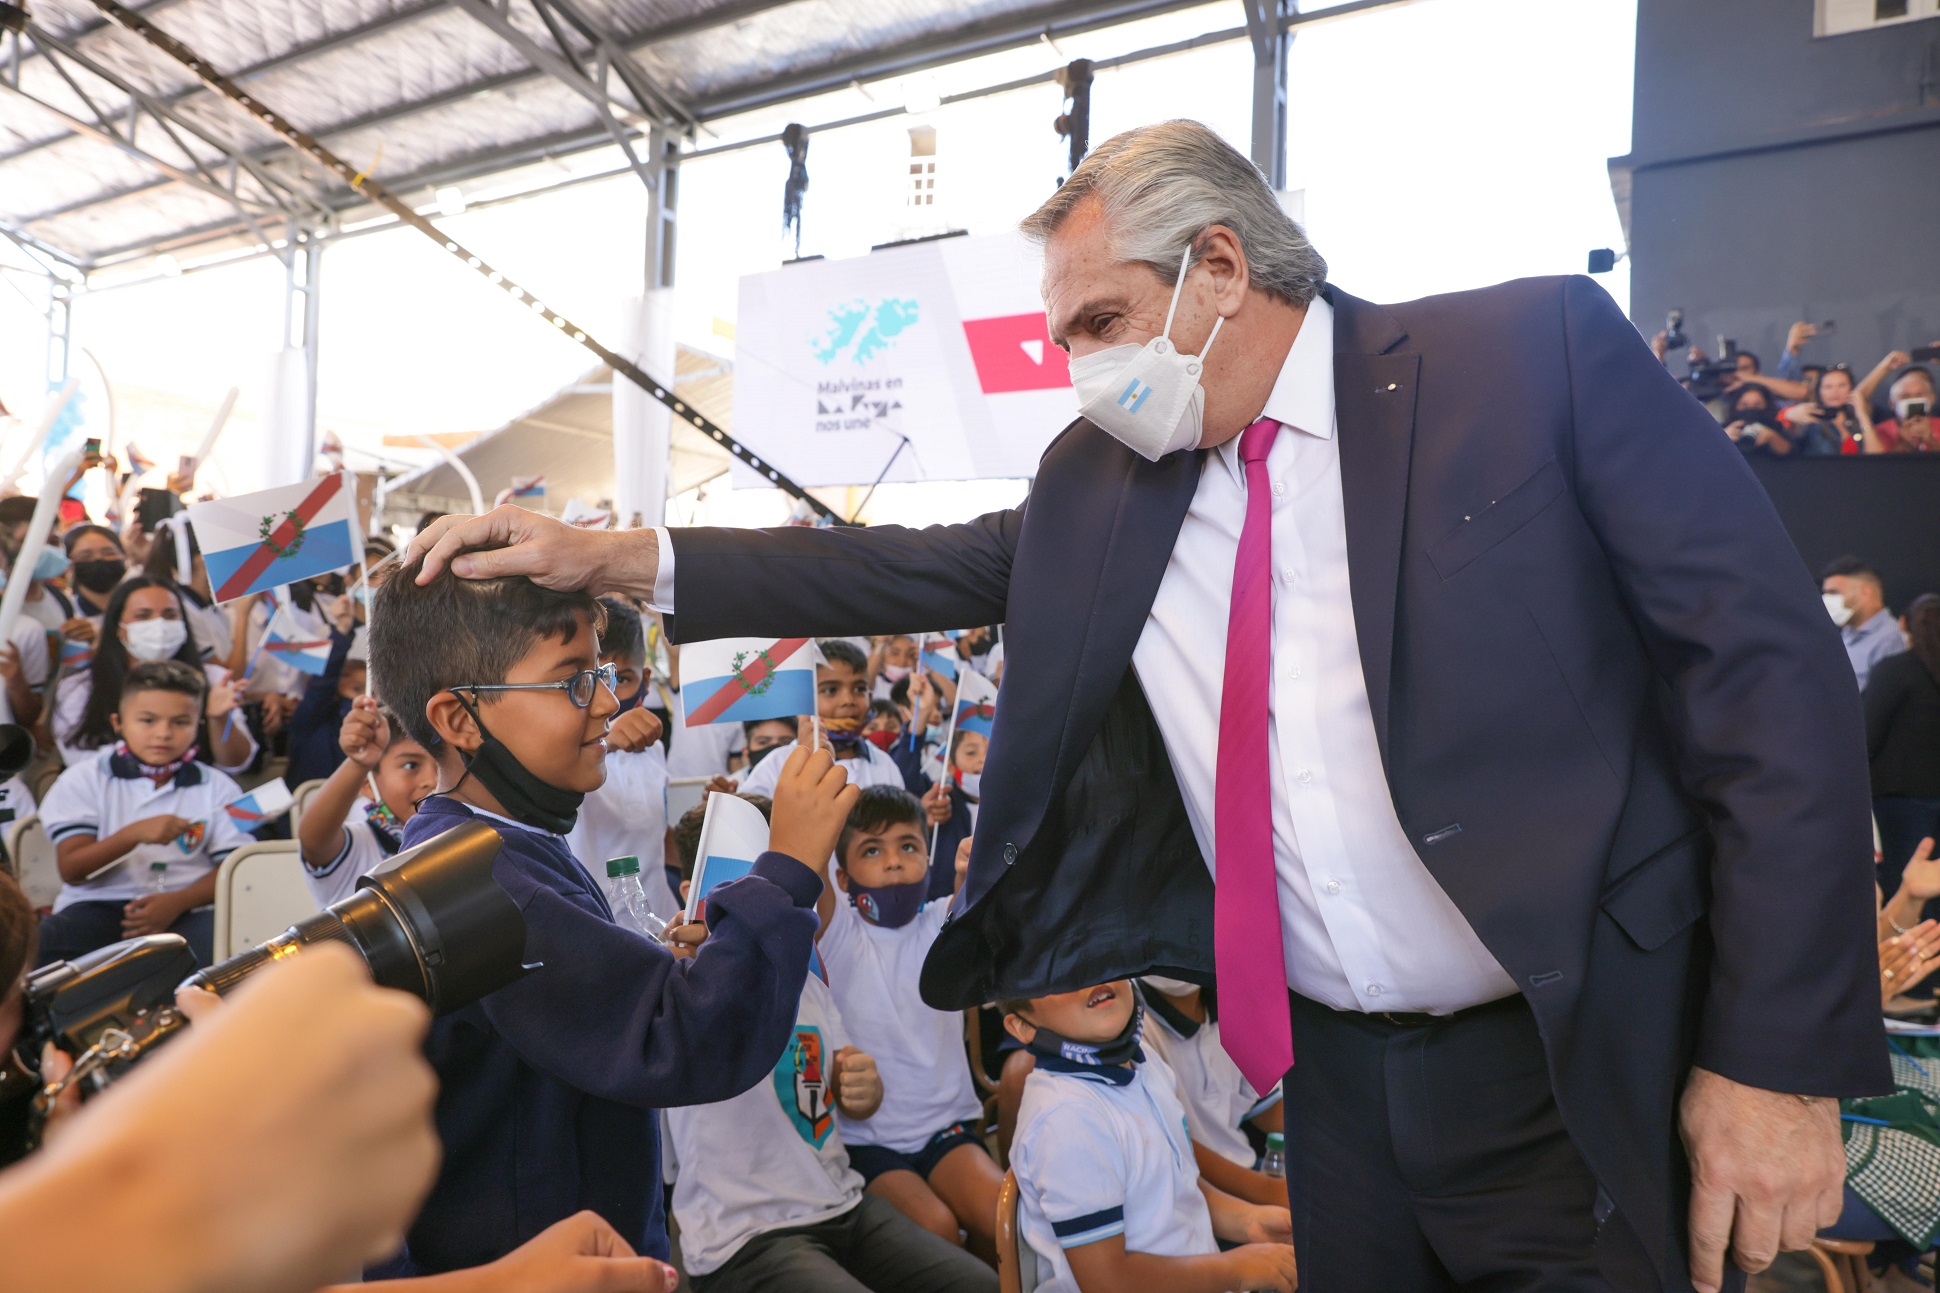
column 431, row 922
column 1708, row 378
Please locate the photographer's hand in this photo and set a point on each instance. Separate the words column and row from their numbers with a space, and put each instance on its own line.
column 260, row 1152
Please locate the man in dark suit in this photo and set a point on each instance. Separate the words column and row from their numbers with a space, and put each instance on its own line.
column 1459, row 642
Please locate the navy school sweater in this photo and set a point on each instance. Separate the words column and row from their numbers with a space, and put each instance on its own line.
column 548, row 1088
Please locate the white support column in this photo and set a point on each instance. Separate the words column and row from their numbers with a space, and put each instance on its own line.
column 642, row 426
column 290, row 445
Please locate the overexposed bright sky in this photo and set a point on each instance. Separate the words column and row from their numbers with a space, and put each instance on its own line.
column 1443, row 145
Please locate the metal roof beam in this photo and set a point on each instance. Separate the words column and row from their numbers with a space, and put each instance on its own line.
column 291, row 57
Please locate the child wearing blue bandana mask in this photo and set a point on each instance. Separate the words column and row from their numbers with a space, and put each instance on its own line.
column 1109, row 1195
column 921, row 1150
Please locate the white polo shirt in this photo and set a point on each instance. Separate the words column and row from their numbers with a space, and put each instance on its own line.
column 870, row 768
column 107, row 791
column 873, row 973
column 1216, row 1096
column 30, row 643
column 627, row 817
column 1095, row 1159
column 770, row 1158
column 363, row 850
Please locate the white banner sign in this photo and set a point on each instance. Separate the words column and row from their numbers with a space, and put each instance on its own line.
column 943, row 342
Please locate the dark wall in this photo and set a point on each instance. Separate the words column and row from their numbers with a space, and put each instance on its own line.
column 1774, row 177
column 1885, row 510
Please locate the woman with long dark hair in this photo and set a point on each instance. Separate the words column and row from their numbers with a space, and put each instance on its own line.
column 1902, row 701
column 145, row 620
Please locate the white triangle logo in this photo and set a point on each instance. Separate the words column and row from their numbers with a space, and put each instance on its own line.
column 1035, row 349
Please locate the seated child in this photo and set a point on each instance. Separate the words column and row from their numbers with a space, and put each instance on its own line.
column 1108, row 1194
column 842, row 704
column 627, row 815
column 549, row 1087
column 922, row 1150
column 139, row 829
column 315, row 724
column 352, row 822
column 144, row 620
column 765, row 1192
column 1182, row 1028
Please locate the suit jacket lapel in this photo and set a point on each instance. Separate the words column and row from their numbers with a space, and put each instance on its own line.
column 1374, row 403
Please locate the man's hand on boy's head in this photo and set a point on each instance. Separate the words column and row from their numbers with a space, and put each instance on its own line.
column 936, row 803
column 812, row 801
column 633, row 731
column 364, row 734
column 509, row 540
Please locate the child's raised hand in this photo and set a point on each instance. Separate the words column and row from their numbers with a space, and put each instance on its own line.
column 364, row 733
column 1264, row 1266
column 936, row 803
column 858, row 1085
column 222, row 697
column 963, row 859
column 158, row 830
column 812, row 801
column 633, row 731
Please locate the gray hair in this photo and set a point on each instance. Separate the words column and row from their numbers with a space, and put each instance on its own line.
column 1160, row 187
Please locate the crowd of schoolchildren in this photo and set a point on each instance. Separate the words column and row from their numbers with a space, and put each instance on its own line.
column 760, row 1093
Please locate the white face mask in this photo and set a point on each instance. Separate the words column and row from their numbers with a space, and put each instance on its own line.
column 1170, row 987
column 970, row 783
column 895, row 672
column 1147, row 397
column 1836, row 607
column 154, row 639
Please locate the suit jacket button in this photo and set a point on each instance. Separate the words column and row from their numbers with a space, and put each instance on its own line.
column 1010, row 854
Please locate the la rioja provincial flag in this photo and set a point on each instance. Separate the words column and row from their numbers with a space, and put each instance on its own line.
column 269, row 800
column 976, row 703
column 255, row 542
column 739, row 680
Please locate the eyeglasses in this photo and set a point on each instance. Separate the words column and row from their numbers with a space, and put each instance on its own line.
column 578, row 688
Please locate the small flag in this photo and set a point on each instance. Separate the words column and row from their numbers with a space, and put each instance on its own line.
column 976, row 703
column 256, row 809
column 581, row 516
column 139, row 463
column 255, row 542
column 76, row 656
column 284, row 640
column 332, row 450
column 738, row 680
column 939, row 653
column 528, row 487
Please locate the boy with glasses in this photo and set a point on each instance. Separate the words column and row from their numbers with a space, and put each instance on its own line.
column 549, row 1087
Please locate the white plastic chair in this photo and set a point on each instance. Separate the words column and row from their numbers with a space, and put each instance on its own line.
column 684, row 793
column 300, row 799
column 260, row 892
column 33, row 859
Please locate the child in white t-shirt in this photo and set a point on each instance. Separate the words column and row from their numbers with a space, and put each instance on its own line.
column 627, row 815
column 139, row 829
column 1182, row 1028
column 764, row 1193
column 922, row 1151
column 353, row 821
column 1109, row 1195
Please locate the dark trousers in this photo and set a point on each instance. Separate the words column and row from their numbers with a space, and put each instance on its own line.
column 1432, row 1157
column 89, row 926
column 870, row 1247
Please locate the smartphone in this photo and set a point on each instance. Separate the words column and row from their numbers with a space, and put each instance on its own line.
column 156, row 506
column 92, row 447
column 1925, row 354
column 185, row 465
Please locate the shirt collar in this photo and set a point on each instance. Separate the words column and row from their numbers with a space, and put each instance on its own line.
column 1303, row 394
column 184, row 772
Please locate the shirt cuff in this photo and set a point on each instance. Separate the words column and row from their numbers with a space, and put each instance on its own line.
column 802, row 885
column 663, row 576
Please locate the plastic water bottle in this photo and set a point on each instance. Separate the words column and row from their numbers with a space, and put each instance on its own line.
column 157, row 878
column 628, row 898
column 1274, row 1164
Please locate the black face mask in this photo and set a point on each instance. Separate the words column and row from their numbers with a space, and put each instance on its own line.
column 524, row 797
column 756, row 756
column 1121, row 1049
column 100, row 576
column 982, row 645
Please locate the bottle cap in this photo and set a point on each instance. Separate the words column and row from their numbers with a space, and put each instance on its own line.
column 617, row 867
column 1274, row 1140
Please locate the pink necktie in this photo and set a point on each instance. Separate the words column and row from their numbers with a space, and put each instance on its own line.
column 1253, row 1010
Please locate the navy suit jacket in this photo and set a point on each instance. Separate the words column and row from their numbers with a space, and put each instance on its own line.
column 1616, row 721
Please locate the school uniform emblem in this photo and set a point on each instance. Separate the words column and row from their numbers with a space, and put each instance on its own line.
column 802, row 1085
column 191, row 839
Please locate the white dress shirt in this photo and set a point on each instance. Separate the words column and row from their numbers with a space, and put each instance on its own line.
column 1365, row 927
